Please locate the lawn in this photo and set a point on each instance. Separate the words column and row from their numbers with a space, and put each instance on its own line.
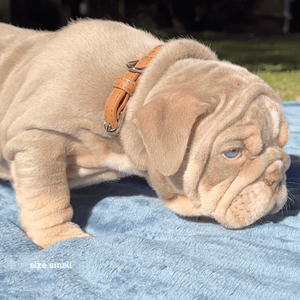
column 276, row 61
column 285, row 84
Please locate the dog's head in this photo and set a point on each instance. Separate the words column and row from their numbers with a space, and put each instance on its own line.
column 213, row 135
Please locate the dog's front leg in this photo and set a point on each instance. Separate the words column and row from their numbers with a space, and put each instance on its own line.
column 42, row 194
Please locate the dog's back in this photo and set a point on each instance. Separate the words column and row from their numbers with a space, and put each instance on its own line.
column 15, row 44
column 79, row 62
column 17, row 47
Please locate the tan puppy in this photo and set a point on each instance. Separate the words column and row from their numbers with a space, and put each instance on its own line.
column 206, row 134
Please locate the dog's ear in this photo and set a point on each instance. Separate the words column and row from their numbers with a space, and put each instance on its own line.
column 165, row 124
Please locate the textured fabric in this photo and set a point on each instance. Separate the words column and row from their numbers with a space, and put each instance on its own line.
column 141, row 250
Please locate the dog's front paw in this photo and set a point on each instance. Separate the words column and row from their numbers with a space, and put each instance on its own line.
column 46, row 237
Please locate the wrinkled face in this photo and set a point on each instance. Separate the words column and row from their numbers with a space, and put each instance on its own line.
column 243, row 179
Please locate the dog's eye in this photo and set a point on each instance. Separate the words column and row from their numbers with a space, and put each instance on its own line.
column 231, row 154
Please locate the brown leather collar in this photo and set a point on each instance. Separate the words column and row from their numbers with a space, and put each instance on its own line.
column 124, row 87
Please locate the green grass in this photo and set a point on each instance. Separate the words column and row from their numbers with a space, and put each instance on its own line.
column 260, row 55
column 277, row 62
column 285, row 84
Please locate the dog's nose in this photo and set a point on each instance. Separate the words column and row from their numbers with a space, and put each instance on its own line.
column 274, row 173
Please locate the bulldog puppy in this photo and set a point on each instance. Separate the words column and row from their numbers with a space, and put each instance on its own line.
column 205, row 133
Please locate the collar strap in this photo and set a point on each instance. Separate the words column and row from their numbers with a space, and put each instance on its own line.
column 124, row 87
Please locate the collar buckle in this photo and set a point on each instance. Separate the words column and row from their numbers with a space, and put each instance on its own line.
column 132, row 68
column 107, row 126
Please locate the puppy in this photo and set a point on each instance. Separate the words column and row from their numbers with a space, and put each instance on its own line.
column 205, row 133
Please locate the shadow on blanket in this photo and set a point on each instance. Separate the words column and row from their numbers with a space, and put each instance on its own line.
column 293, row 184
column 84, row 199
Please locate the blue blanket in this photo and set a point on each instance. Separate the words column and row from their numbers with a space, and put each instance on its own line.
column 141, row 250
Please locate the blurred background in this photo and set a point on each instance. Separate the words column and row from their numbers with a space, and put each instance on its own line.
column 262, row 35
column 165, row 17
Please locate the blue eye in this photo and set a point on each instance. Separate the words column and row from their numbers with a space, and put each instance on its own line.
column 231, row 154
